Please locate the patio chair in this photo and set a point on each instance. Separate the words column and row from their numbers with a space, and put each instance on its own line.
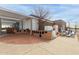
column 40, row 35
column 43, row 32
column 27, row 31
column 24, row 30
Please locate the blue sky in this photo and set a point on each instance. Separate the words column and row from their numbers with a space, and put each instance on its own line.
column 67, row 12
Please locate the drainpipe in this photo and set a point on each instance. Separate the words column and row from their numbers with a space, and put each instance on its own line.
column 0, row 25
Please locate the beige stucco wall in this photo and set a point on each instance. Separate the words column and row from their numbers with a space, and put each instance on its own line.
column 56, row 28
column 35, row 24
column 27, row 24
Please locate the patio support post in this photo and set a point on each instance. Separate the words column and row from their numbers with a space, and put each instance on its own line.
column 22, row 24
column 0, row 25
column 75, row 27
column 31, row 28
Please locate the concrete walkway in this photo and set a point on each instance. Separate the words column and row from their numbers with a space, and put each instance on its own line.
column 61, row 45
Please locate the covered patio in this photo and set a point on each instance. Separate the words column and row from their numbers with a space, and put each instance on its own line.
column 19, row 35
column 9, row 20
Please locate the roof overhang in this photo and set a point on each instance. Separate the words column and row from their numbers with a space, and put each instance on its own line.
column 7, row 14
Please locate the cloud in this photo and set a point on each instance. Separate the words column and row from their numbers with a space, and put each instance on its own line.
column 17, row 8
column 67, row 12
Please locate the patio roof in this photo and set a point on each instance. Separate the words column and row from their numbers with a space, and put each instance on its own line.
column 8, row 14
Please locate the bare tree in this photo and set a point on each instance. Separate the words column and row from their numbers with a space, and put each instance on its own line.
column 41, row 14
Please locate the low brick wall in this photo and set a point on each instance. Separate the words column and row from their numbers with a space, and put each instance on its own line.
column 47, row 36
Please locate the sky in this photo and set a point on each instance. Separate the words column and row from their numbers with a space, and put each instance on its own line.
column 66, row 12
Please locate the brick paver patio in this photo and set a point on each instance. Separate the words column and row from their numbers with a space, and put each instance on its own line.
column 21, row 38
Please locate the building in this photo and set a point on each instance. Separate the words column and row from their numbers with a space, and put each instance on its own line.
column 19, row 21
column 61, row 24
column 58, row 25
column 11, row 19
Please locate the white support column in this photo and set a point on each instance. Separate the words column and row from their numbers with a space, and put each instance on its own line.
column 0, row 25
column 22, row 24
column 31, row 28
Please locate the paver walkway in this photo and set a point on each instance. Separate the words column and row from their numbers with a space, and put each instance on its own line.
column 61, row 45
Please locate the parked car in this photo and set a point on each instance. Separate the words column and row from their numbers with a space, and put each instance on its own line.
column 71, row 33
column 68, row 33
